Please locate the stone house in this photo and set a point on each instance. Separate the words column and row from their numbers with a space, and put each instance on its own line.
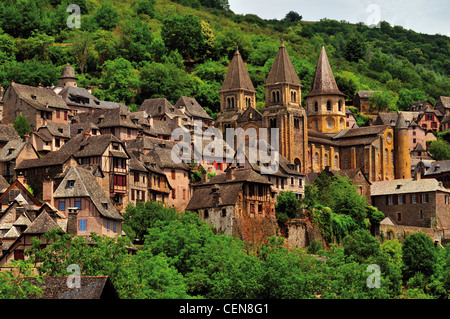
column 39, row 105
column 443, row 105
column 13, row 154
column 178, row 176
column 429, row 119
column 194, row 110
column 439, row 170
column 361, row 101
column 420, row 106
column 50, row 138
column 86, row 206
column 445, row 122
column 238, row 203
column 116, row 121
column 413, row 202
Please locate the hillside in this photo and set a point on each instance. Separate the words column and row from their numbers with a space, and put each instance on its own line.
column 137, row 49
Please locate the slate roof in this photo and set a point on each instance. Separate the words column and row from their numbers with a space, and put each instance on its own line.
column 360, row 131
column 114, row 117
column 80, row 128
column 404, row 186
column 324, row 82
column 86, row 185
column 148, row 143
column 41, row 97
column 158, row 107
column 163, row 158
column 401, row 123
column 192, row 107
column 445, row 101
column 94, row 145
column 8, row 133
column 438, row 167
column 365, row 93
column 58, row 129
column 77, row 96
column 3, row 184
column 282, row 70
column 237, row 76
column 11, row 150
column 161, row 128
column 50, row 159
column 91, row 287
column 446, row 119
column 68, row 72
column 136, row 164
column 41, row 225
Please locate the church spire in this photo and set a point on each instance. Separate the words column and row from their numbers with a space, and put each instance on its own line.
column 282, row 70
column 324, row 82
column 237, row 77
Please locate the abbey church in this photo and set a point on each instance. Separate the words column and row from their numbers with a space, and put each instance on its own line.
column 313, row 136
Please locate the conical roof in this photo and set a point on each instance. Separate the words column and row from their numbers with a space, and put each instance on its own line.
column 282, row 70
column 401, row 122
column 237, row 76
column 68, row 72
column 324, row 82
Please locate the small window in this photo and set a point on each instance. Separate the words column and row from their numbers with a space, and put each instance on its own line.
column 105, row 205
column 399, row 216
column 70, row 184
column 421, row 214
column 205, row 214
column 108, row 226
column 400, row 199
column 62, row 206
column 391, row 200
column 224, row 212
column 115, row 226
column 328, row 106
column 78, row 204
column 82, row 225
column 424, row 198
column 414, row 198
column 316, row 107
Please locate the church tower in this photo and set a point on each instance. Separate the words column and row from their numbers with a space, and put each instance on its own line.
column 236, row 95
column 325, row 104
column 283, row 109
column 402, row 168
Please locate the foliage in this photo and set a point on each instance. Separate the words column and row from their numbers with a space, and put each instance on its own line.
column 383, row 101
column 120, row 81
column 15, row 283
column 287, row 206
column 407, row 97
column 439, row 150
column 22, row 125
column 418, row 255
column 141, row 217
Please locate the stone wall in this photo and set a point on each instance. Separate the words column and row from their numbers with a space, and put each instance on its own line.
column 401, row 232
column 300, row 234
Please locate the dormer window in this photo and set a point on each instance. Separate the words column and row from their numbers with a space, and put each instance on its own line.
column 33, row 97
column 123, row 117
column 10, row 151
column 115, row 146
column 105, row 205
column 60, row 130
column 70, row 184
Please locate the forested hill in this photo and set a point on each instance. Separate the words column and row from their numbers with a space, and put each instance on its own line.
column 131, row 50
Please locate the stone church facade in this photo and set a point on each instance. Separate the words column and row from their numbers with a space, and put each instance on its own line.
column 315, row 136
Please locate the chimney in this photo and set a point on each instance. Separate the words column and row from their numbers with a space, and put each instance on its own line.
column 86, row 135
column 26, row 138
column 230, row 174
column 72, row 221
column 205, row 178
column 418, row 176
column 47, row 191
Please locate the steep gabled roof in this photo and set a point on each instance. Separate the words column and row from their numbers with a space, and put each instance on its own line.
column 8, row 133
column 86, row 185
column 192, row 107
column 158, row 107
column 39, row 97
column 11, row 150
column 324, row 82
column 282, row 70
column 41, row 225
column 401, row 123
column 237, row 76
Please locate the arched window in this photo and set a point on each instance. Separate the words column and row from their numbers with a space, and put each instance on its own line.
column 325, row 160
column 297, row 165
column 336, row 161
column 278, row 96
column 362, row 160
column 316, row 107
column 316, row 158
column 328, row 106
column 316, row 125
column 392, row 157
column 345, row 161
column 329, row 124
column 385, row 156
column 340, row 106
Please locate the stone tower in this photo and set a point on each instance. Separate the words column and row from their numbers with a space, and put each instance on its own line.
column 325, row 104
column 67, row 77
column 401, row 150
column 237, row 93
column 283, row 109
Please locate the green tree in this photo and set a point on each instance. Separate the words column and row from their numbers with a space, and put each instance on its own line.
column 107, row 16
column 293, row 17
column 287, row 206
column 361, row 245
column 418, row 255
column 407, row 97
column 184, row 33
column 439, row 150
column 383, row 101
column 146, row 7
column 15, row 283
column 120, row 81
column 141, row 217
column 22, row 125
column 355, row 49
